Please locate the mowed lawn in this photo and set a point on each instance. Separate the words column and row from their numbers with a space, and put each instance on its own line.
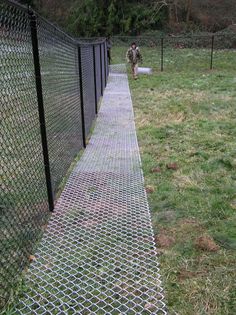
column 186, row 125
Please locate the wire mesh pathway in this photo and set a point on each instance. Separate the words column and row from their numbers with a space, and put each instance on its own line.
column 98, row 254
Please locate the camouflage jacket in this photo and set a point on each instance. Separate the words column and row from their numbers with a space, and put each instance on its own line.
column 134, row 55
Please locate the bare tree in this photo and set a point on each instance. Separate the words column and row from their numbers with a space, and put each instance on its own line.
column 174, row 7
column 171, row 5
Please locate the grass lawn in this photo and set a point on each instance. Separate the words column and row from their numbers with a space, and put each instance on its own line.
column 186, row 125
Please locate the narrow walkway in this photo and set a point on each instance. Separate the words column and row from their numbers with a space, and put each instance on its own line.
column 98, row 254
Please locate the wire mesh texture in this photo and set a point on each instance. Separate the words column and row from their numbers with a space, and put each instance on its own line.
column 88, row 85
column 60, row 83
column 103, row 65
column 98, row 255
column 23, row 192
column 98, row 71
column 38, row 101
column 183, row 52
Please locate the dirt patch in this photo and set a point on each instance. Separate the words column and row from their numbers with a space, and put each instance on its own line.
column 163, row 240
column 172, row 166
column 156, row 170
column 206, row 243
column 192, row 222
column 184, row 274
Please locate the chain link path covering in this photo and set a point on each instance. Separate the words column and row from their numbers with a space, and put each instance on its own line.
column 98, row 255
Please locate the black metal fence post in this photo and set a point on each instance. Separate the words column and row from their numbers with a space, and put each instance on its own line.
column 101, row 69
column 162, row 54
column 39, row 91
column 81, row 97
column 212, row 51
column 95, row 79
column 105, row 63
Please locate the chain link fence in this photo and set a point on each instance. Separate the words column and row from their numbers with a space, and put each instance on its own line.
column 180, row 53
column 50, row 86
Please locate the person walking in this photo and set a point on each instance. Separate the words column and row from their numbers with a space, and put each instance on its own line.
column 134, row 56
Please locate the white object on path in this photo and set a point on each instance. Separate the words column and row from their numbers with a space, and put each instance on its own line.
column 144, row 70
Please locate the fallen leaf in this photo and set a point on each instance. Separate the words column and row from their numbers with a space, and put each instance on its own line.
column 32, row 258
column 150, row 189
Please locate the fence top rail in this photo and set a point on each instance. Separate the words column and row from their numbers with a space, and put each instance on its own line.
column 86, row 41
column 77, row 41
column 53, row 26
column 16, row 4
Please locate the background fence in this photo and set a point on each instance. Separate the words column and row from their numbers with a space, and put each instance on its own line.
column 50, row 85
column 178, row 53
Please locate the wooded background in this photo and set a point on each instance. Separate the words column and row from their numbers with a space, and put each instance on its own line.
column 113, row 17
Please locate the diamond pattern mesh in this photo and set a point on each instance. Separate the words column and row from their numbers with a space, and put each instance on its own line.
column 103, row 65
column 88, row 86
column 106, row 60
column 24, row 207
column 98, row 254
column 60, row 82
column 23, row 195
column 98, row 71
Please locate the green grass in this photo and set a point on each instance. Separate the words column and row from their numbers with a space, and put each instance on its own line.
column 182, row 60
column 187, row 115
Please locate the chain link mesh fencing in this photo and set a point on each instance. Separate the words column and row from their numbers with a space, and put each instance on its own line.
column 36, row 102
column 61, row 95
column 98, row 71
column 103, row 68
column 179, row 53
column 23, row 195
column 88, row 86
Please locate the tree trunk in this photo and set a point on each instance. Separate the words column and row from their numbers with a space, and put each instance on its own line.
column 173, row 12
column 189, row 9
column 176, row 12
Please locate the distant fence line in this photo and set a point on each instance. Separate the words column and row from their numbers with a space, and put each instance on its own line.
column 222, row 41
column 169, row 46
column 50, row 86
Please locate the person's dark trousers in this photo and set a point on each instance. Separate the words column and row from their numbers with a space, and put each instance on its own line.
column 109, row 56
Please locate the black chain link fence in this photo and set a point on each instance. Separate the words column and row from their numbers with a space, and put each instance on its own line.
column 50, row 85
column 178, row 53
column 88, row 86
